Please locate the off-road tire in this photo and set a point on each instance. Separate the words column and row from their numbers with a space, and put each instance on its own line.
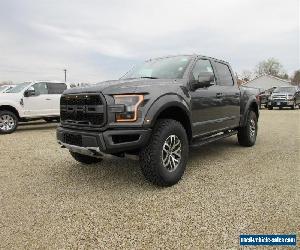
column 15, row 119
column 85, row 158
column 151, row 156
column 245, row 134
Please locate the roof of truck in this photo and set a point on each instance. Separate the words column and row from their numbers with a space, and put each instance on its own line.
column 192, row 55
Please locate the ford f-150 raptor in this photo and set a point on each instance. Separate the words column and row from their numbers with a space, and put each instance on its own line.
column 158, row 111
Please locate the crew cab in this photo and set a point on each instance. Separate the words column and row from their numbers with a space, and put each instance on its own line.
column 29, row 101
column 158, row 111
column 285, row 97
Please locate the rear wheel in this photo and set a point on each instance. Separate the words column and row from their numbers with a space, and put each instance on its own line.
column 164, row 159
column 8, row 122
column 247, row 134
column 85, row 158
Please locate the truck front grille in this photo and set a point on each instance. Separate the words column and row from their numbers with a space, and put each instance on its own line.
column 279, row 97
column 83, row 110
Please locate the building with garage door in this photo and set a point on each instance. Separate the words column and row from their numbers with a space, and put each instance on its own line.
column 265, row 82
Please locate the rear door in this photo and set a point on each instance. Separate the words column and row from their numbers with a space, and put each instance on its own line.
column 230, row 108
column 54, row 92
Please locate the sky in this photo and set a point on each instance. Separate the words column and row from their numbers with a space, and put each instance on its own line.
column 99, row 40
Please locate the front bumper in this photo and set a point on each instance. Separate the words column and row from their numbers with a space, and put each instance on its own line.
column 281, row 103
column 107, row 142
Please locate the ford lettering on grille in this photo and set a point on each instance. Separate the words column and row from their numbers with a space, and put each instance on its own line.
column 82, row 110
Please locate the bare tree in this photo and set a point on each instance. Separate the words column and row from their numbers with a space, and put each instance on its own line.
column 246, row 75
column 6, row 83
column 296, row 78
column 272, row 67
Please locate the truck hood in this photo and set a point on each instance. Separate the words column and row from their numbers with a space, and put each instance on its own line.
column 128, row 86
column 10, row 97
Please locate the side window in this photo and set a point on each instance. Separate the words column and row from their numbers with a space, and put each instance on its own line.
column 202, row 65
column 56, row 88
column 40, row 88
column 224, row 74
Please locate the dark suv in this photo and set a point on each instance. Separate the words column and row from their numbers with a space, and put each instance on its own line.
column 158, row 111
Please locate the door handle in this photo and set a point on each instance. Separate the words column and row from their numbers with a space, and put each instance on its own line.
column 47, row 99
column 219, row 95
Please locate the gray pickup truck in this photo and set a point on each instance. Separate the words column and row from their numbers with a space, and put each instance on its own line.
column 158, row 111
column 285, row 97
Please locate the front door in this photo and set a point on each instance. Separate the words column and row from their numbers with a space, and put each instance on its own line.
column 206, row 102
column 40, row 103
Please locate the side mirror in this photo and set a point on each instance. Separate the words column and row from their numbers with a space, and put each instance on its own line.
column 29, row 92
column 205, row 79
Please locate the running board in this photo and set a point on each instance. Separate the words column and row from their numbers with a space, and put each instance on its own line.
column 200, row 142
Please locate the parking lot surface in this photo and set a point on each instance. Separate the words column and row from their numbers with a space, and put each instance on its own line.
column 48, row 200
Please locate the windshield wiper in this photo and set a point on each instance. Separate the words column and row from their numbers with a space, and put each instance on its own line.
column 149, row 77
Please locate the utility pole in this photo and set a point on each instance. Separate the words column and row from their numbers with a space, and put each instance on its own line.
column 65, row 75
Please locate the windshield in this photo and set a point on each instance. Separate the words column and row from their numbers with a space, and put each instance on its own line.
column 167, row 68
column 18, row 88
column 285, row 90
column 2, row 88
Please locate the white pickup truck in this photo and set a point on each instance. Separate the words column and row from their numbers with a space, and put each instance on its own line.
column 30, row 101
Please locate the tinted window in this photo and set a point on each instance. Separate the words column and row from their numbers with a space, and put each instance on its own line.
column 167, row 67
column 56, row 88
column 40, row 88
column 224, row 75
column 285, row 90
column 201, row 66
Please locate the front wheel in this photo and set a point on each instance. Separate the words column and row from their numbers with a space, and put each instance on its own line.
column 247, row 134
column 293, row 106
column 85, row 158
column 8, row 122
column 270, row 107
column 164, row 159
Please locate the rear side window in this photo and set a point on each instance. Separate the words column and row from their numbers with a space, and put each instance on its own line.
column 56, row 88
column 224, row 74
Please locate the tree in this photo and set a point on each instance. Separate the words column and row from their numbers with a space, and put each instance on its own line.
column 271, row 67
column 296, row 78
column 6, row 83
column 246, row 75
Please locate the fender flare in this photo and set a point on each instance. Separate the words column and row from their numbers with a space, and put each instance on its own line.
column 251, row 101
column 162, row 103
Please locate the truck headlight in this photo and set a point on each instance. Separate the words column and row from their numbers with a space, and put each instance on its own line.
column 131, row 103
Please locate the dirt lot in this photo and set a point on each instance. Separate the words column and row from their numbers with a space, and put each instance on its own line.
column 47, row 200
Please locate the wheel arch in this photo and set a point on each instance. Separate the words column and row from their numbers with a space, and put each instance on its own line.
column 170, row 107
column 11, row 109
column 252, row 105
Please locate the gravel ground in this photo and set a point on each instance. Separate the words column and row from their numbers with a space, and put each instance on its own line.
column 47, row 200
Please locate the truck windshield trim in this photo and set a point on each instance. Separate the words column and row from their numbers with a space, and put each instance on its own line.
column 160, row 68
